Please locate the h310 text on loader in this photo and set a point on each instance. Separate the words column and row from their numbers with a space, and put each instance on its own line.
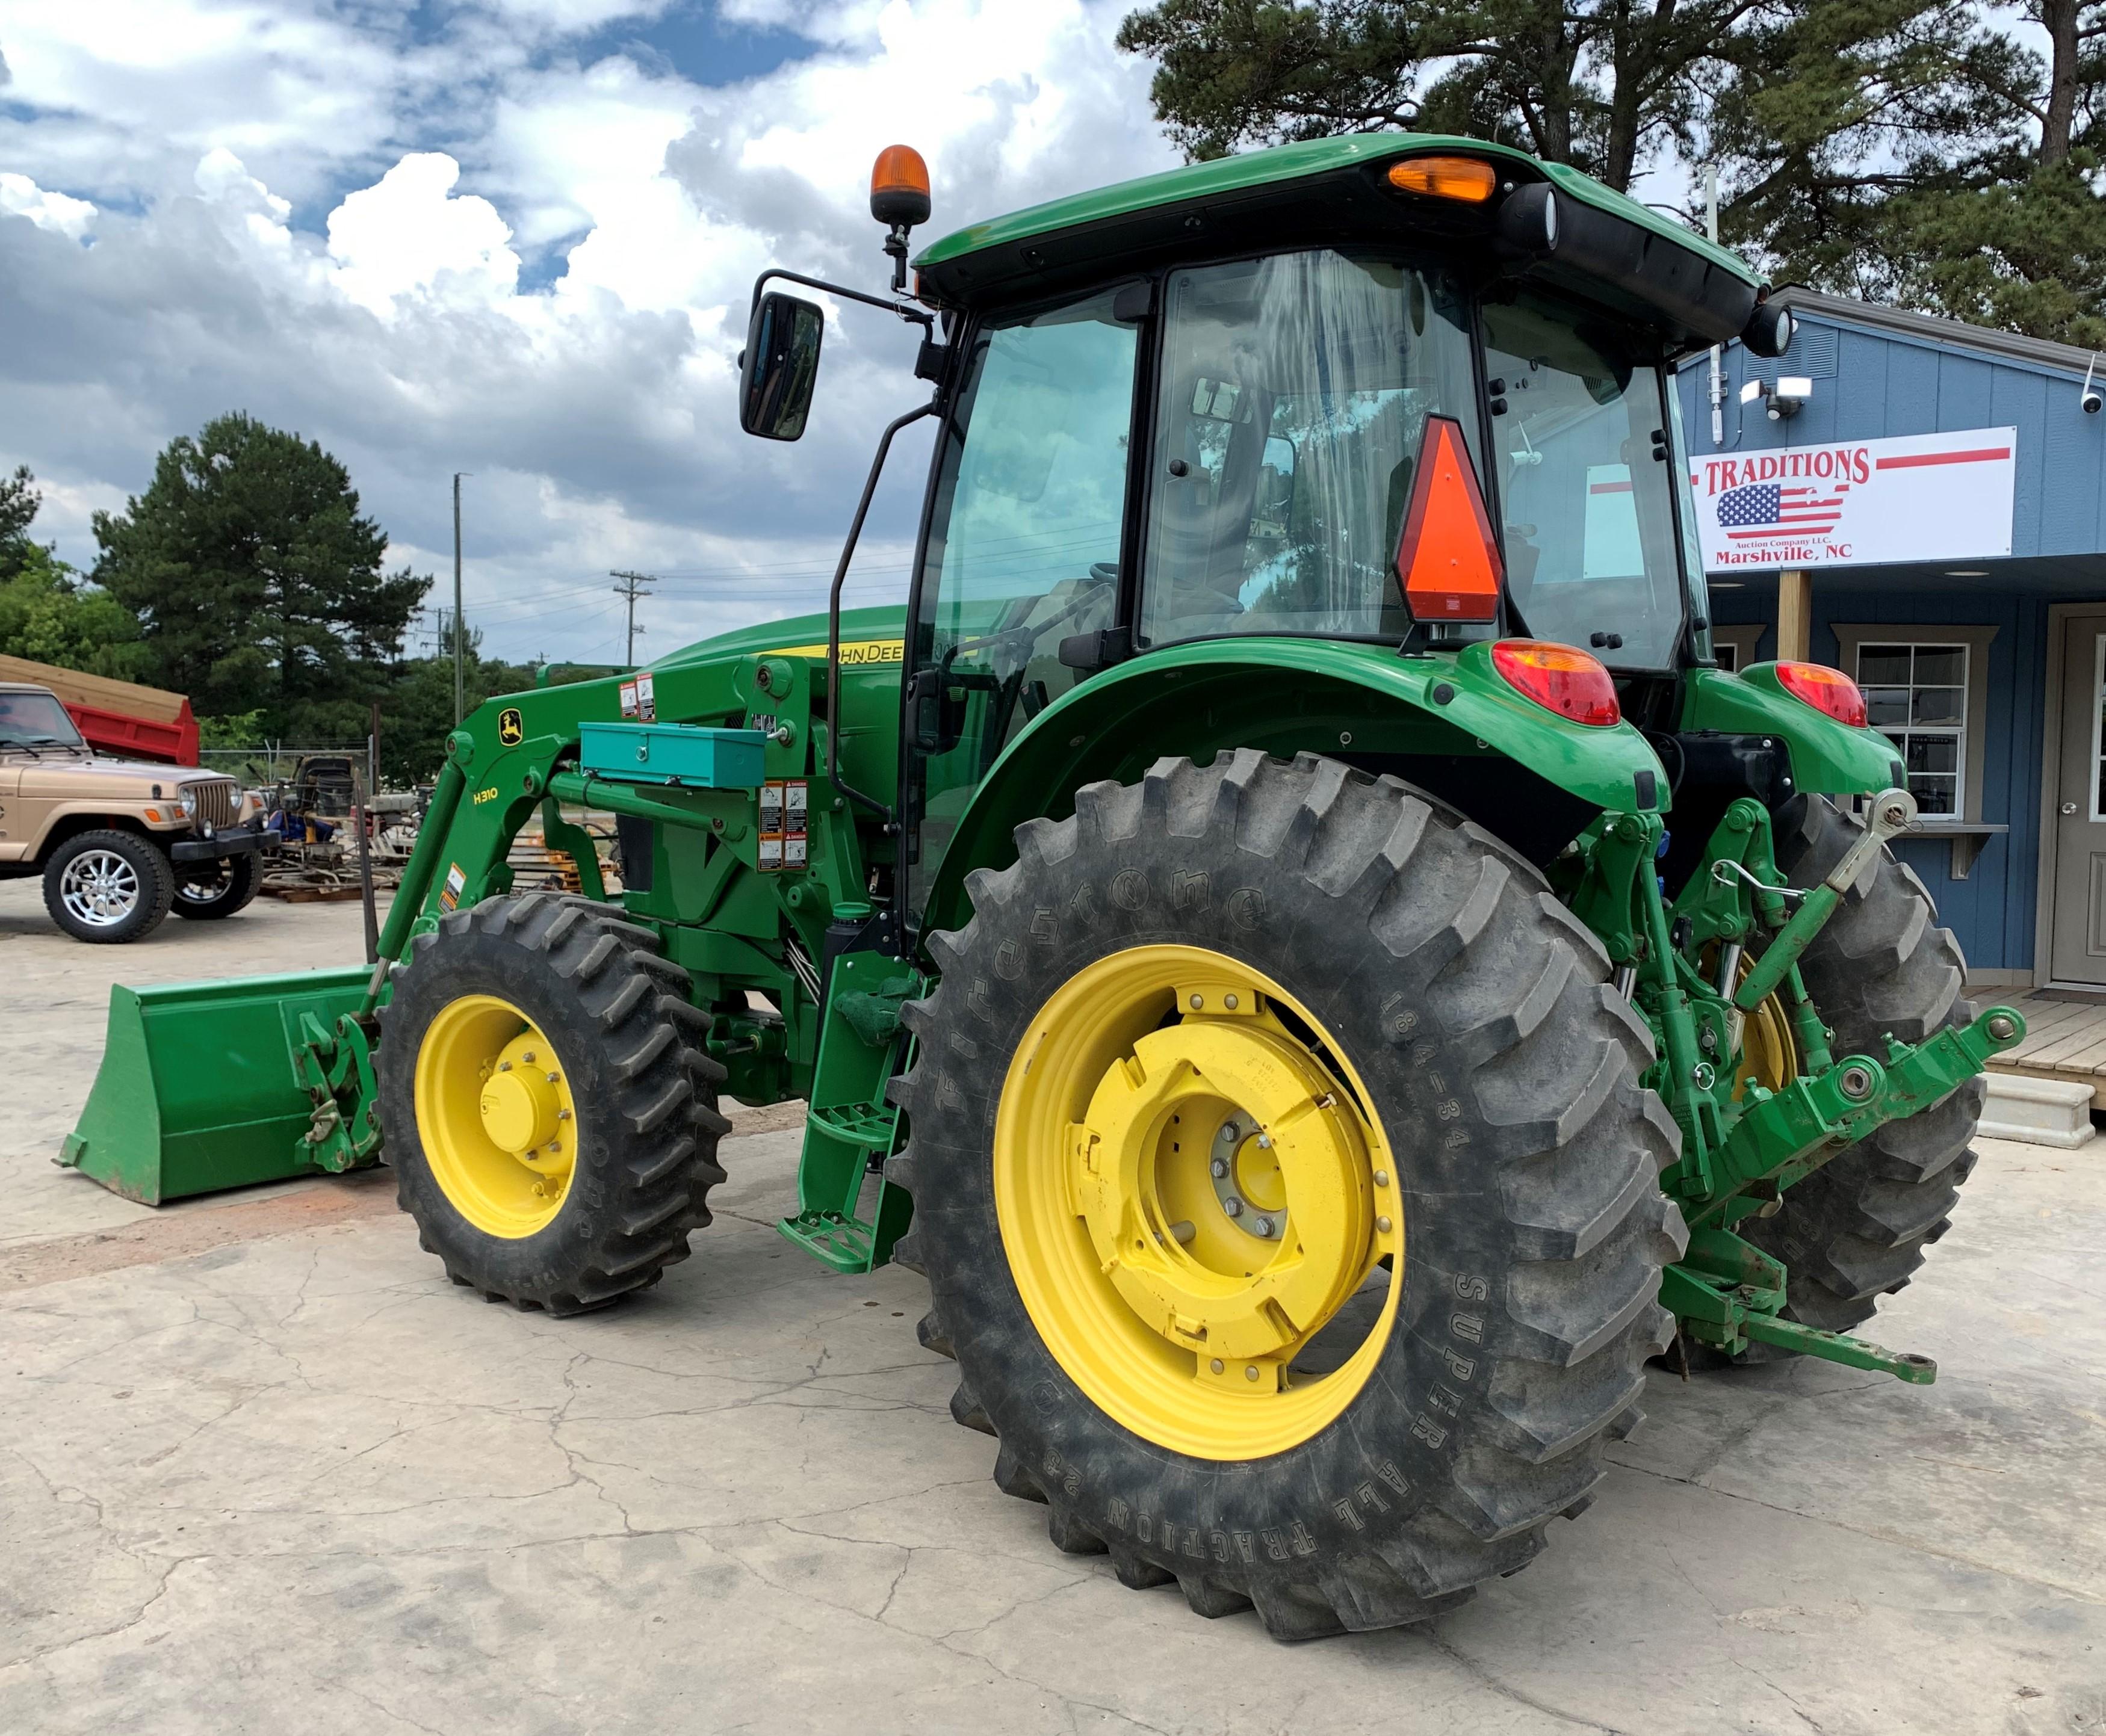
column 1319, row 1026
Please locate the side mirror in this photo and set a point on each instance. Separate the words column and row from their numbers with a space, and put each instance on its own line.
column 780, row 367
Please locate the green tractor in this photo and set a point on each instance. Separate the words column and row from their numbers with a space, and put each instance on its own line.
column 1291, row 930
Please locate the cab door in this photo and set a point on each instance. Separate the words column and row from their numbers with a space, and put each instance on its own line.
column 1028, row 523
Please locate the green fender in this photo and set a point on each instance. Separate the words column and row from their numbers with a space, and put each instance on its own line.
column 1284, row 696
column 1827, row 758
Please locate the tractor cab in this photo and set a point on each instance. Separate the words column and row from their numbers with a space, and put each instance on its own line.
column 1398, row 394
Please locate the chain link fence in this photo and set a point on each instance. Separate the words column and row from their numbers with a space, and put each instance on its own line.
column 260, row 767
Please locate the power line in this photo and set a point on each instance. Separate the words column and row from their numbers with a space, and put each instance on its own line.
column 633, row 585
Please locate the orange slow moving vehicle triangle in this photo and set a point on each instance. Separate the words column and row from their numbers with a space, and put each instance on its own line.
column 1447, row 557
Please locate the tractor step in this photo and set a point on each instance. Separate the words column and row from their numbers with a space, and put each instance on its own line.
column 846, row 1244
column 848, row 1214
column 842, row 1240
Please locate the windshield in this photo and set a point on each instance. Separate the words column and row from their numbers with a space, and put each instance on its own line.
column 1584, row 472
column 1295, row 391
column 36, row 720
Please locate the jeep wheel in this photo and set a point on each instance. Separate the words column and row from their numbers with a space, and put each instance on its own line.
column 108, row 887
column 212, row 890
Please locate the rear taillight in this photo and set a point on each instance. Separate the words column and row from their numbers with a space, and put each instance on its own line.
column 1561, row 678
column 1826, row 690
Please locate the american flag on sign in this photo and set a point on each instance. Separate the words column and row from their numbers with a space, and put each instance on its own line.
column 1759, row 511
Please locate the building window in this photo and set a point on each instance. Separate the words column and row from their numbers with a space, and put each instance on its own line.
column 1915, row 695
column 1726, row 655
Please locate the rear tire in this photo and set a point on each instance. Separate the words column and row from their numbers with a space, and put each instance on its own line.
column 1502, row 1074
column 107, row 888
column 218, row 889
column 626, row 1043
column 1857, row 1228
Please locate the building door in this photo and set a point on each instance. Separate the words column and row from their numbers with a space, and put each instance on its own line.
column 2079, row 950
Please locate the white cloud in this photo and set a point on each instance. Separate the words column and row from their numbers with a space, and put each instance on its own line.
column 496, row 252
column 406, row 234
column 19, row 196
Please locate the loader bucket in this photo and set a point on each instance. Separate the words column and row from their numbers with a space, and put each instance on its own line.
column 197, row 1090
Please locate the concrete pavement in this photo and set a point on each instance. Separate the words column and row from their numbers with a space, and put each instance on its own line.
column 283, row 1475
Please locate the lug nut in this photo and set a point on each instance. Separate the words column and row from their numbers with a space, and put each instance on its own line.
column 504, row 1067
column 1233, row 1206
column 1264, row 1226
column 1381, row 1178
column 1250, row 1373
column 1228, row 1129
column 1264, row 1142
column 1383, row 1225
column 1199, row 1000
column 1229, row 1002
column 528, row 1056
column 1220, row 1167
column 1216, row 1365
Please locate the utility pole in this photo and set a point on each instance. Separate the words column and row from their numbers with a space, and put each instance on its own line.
column 633, row 586
column 460, row 677
column 1718, row 353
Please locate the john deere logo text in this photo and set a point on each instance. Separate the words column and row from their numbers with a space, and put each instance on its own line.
column 511, row 726
column 854, row 653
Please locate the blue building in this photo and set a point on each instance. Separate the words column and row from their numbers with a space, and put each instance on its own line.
column 1919, row 503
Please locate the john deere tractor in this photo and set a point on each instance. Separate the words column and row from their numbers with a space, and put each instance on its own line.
column 1290, row 930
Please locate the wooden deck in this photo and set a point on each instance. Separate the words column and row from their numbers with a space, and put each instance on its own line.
column 2065, row 1037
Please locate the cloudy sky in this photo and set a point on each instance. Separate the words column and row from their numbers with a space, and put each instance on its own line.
column 514, row 238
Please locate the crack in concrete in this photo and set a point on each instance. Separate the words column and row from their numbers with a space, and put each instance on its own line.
column 1507, row 1691
column 1916, row 1545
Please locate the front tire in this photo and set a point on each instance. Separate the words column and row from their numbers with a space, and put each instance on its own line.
column 1418, row 1439
column 107, row 888
column 218, row 889
column 550, row 1114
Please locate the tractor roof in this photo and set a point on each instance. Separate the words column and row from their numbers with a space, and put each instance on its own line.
column 1322, row 189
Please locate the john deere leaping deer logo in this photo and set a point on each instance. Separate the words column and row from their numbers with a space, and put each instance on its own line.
column 511, row 726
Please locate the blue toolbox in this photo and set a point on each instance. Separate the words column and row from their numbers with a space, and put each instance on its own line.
column 685, row 754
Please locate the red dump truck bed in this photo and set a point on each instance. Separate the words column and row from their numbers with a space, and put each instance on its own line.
column 117, row 717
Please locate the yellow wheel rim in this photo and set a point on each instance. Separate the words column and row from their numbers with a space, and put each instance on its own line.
column 1769, row 1051
column 1190, row 1186
column 495, row 1116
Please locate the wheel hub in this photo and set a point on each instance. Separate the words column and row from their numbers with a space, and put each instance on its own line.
column 519, row 1102
column 495, row 1116
column 1226, row 1186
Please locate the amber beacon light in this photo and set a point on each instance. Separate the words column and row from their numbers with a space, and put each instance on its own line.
column 899, row 187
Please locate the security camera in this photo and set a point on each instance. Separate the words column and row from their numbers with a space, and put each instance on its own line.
column 2089, row 397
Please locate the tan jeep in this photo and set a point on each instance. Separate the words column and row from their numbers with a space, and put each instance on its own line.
column 119, row 842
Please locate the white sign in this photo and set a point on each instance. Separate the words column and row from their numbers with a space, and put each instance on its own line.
column 1926, row 497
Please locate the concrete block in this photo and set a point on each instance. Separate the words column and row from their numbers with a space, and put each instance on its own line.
column 2038, row 1111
